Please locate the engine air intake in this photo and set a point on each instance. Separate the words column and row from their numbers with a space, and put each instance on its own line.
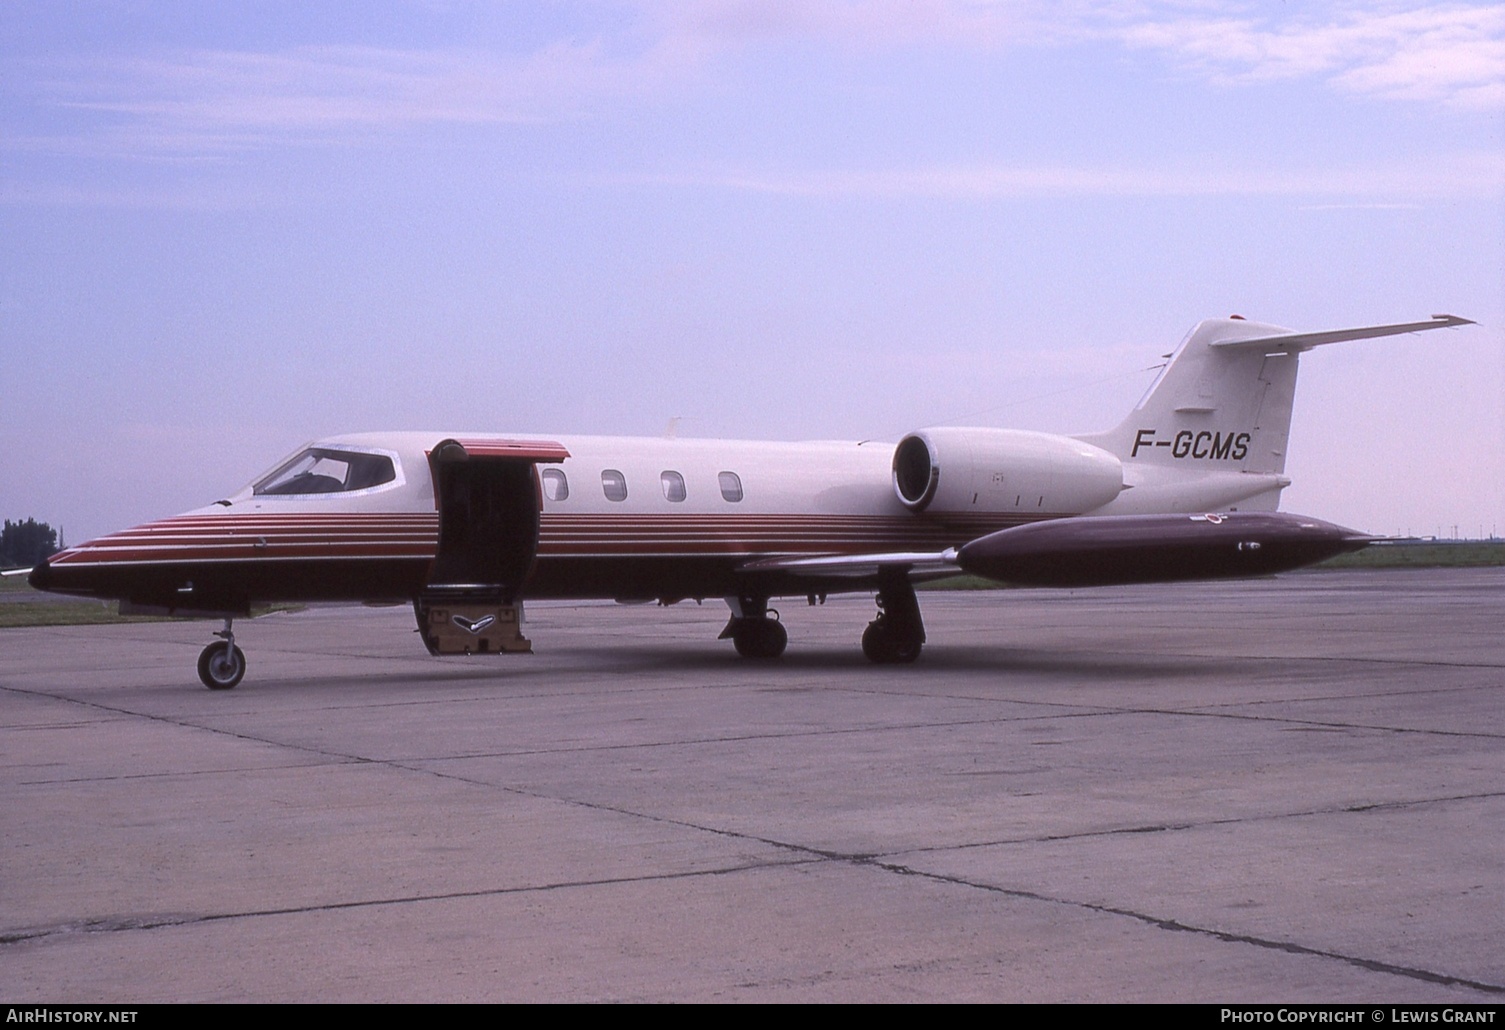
column 916, row 473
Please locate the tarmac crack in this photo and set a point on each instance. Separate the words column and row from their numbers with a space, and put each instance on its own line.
column 1076, row 711
column 877, row 861
column 1318, row 723
column 406, row 765
column 343, row 757
column 221, row 771
column 1177, row 926
column 123, row 924
column 1428, row 692
column 1376, row 806
column 731, row 738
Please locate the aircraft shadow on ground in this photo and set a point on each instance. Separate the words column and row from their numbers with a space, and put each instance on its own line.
column 936, row 665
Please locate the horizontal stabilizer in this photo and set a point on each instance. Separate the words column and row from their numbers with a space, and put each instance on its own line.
column 1306, row 341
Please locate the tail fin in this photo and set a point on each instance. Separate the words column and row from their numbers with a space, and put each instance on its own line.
column 1222, row 404
column 1225, row 396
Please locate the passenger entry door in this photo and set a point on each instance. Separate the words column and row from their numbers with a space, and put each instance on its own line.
column 488, row 496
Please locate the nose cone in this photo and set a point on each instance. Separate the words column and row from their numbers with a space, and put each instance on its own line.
column 76, row 571
column 174, row 564
column 69, row 572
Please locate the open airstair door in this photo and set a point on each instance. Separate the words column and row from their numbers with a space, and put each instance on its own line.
column 488, row 497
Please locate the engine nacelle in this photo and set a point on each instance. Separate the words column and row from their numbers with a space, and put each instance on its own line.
column 1003, row 470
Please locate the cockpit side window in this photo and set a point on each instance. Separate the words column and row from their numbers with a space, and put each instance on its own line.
column 327, row 470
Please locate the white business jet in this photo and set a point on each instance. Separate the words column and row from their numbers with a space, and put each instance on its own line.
column 467, row 526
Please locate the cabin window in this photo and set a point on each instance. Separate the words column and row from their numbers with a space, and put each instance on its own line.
column 614, row 485
column 327, row 470
column 731, row 486
column 555, row 486
column 674, row 485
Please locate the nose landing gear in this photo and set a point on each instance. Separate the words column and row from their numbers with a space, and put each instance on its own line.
column 221, row 666
column 754, row 633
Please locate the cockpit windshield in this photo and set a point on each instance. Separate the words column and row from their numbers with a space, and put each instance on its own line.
column 327, row 470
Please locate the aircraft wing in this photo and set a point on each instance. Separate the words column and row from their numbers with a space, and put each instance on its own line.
column 858, row 566
column 1107, row 550
column 1306, row 341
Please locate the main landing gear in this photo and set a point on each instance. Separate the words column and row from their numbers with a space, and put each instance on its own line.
column 755, row 631
column 221, row 666
column 895, row 637
column 897, row 634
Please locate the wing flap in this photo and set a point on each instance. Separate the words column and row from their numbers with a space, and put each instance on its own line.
column 859, row 566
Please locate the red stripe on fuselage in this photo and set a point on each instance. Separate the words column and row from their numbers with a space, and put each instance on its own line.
column 357, row 536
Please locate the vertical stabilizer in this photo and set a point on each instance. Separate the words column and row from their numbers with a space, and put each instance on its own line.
column 1214, row 426
column 1214, row 406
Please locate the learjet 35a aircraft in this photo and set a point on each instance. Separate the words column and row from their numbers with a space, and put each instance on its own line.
column 466, row 526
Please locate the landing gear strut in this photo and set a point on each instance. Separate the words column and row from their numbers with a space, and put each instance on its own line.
column 755, row 631
column 222, row 665
column 897, row 634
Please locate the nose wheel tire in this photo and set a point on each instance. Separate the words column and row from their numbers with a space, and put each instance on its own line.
column 221, row 666
column 760, row 638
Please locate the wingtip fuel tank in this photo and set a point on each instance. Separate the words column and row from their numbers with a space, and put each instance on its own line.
column 1105, row 551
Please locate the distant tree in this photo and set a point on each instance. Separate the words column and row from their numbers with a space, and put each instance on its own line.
column 26, row 543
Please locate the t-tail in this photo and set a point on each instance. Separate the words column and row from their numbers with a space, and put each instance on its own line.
column 1212, row 430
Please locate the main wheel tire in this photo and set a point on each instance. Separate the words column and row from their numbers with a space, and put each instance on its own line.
column 760, row 638
column 221, row 666
column 886, row 647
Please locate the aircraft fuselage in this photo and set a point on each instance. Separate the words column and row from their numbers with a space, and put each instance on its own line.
column 690, row 514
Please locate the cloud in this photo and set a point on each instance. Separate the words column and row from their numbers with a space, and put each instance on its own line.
column 219, row 101
column 176, row 197
column 850, row 24
column 206, row 102
column 1466, row 174
column 1451, row 54
column 1447, row 53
